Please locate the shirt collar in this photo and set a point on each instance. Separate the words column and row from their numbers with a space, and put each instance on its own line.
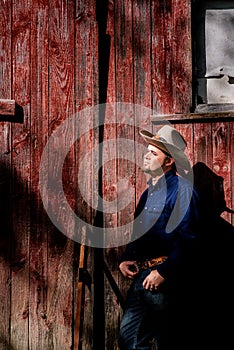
column 166, row 177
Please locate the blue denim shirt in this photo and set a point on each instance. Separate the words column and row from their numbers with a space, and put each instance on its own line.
column 166, row 223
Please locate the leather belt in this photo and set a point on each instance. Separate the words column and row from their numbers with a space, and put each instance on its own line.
column 149, row 263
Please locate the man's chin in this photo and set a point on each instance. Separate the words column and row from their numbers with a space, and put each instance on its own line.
column 145, row 170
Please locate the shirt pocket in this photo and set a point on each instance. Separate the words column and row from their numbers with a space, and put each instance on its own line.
column 154, row 214
column 159, row 217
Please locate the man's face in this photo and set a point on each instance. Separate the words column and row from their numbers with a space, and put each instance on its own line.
column 155, row 161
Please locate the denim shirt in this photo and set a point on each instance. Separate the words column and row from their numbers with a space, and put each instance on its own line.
column 166, row 223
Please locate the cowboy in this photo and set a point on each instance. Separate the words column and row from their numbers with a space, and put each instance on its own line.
column 162, row 244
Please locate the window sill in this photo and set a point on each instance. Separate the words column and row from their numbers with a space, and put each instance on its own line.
column 197, row 117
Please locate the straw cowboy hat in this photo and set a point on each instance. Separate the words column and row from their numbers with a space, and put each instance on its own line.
column 171, row 142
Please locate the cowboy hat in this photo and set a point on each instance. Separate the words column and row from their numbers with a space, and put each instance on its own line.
column 171, row 142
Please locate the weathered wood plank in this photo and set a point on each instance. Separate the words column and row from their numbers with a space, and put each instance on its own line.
column 142, row 85
column 181, row 56
column 5, row 255
column 7, row 107
column 38, row 327
column 5, row 178
column 202, row 148
column 232, row 169
column 109, row 184
column 61, row 106
column 162, row 72
column 86, row 89
column 20, row 152
column 125, row 116
column 222, row 161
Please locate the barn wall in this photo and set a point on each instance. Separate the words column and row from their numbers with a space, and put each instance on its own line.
column 59, row 58
column 49, row 60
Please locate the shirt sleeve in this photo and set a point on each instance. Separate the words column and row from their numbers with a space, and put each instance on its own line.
column 183, row 250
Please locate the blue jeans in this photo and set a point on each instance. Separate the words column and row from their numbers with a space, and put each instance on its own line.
column 145, row 318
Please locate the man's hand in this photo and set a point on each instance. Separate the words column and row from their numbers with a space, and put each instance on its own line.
column 129, row 269
column 153, row 280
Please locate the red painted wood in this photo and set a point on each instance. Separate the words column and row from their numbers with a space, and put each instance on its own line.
column 202, row 147
column 5, row 178
column 232, row 169
column 110, row 181
column 222, row 161
column 86, row 89
column 39, row 264
column 171, row 56
column 61, row 107
column 162, row 56
column 142, row 84
column 21, row 163
column 7, row 107
column 181, row 56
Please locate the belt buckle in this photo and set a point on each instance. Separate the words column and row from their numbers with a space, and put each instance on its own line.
column 146, row 265
column 143, row 265
column 152, row 264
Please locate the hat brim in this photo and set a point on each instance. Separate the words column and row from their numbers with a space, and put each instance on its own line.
column 177, row 154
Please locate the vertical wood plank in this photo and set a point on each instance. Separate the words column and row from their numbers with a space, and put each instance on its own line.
column 61, row 106
column 232, row 169
column 109, row 185
column 221, row 142
column 142, row 81
column 181, row 56
column 162, row 74
column 124, row 77
column 5, row 175
column 125, row 84
column 38, row 328
column 86, row 95
column 21, row 44
column 203, row 144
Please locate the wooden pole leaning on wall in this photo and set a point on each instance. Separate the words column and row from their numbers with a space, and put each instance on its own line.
column 80, row 288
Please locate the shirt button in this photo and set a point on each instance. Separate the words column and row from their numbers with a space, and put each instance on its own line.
column 146, row 208
column 151, row 194
column 141, row 222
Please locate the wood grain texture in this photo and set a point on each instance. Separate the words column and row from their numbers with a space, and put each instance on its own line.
column 86, row 90
column 61, row 107
column 38, row 325
column 221, row 142
column 232, row 170
column 7, row 107
column 5, row 178
column 109, row 184
column 20, row 153
column 181, row 56
column 142, row 79
column 162, row 56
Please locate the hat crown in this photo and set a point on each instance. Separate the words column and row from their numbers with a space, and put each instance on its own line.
column 171, row 136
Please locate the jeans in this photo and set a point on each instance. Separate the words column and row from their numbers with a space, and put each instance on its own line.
column 145, row 318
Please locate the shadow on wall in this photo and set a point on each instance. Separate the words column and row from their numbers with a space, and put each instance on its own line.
column 27, row 238
column 5, row 222
column 20, row 205
column 213, row 280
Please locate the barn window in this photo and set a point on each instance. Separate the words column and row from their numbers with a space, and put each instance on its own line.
column 213, row 53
